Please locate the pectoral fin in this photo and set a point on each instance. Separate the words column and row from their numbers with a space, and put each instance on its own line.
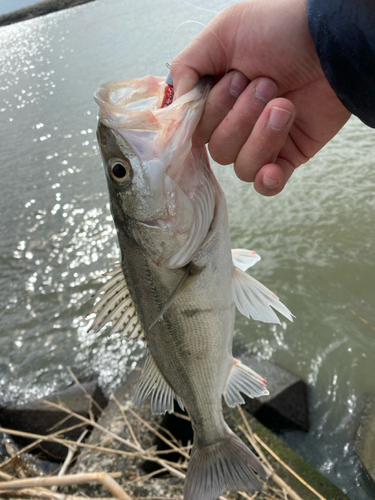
column 245, row 380
column 172, row 297
column 153, row 381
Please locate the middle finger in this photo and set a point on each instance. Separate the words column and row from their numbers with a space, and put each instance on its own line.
column 231, row 134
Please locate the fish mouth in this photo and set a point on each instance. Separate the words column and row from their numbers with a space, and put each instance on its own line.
column 173, row 180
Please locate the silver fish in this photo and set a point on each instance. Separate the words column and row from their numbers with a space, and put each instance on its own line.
column 178, row 281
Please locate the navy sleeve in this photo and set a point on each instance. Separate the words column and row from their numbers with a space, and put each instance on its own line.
column 344, row 35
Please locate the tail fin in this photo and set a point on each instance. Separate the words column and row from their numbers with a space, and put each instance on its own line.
column 227, row 465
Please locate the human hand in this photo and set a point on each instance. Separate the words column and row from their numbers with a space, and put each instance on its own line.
column 274, row 109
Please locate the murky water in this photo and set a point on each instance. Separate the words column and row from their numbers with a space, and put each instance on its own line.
column 57, row 237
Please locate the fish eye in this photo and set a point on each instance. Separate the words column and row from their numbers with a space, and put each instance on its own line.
column 120, row 170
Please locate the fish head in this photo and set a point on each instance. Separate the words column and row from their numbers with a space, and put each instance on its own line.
column 133, row 192
column 161, row 188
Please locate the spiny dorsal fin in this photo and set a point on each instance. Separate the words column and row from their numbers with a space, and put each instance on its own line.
column 245, row 380
column 153, row 382
column 116, row 306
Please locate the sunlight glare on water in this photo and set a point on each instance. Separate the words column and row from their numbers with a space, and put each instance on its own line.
column 57, row 235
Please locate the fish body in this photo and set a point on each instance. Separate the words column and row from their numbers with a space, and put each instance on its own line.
column 179, row 281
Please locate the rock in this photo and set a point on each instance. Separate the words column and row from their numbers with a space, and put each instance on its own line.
column 23, row 464
column 38, row 418
column 286, row 407
column 365, row 439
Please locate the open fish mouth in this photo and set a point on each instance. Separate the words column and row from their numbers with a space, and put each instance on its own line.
column 176, row 199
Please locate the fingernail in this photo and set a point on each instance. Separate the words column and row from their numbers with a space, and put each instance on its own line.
column 265, row 90
column 238, row 84
column 184, row 86
column 269, row 183
column 279, row 118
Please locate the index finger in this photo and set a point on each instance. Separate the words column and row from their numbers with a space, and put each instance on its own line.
column 205, row 55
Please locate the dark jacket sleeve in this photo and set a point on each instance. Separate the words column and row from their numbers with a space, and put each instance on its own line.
column 344, row 35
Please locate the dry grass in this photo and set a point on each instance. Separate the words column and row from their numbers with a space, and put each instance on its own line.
column 14, row 484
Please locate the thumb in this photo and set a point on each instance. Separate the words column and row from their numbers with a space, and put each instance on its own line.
column 184, row 77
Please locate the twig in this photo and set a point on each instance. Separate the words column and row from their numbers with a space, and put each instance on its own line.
column 12, row 452
column 39, row 440
column 30, row 494
column 250, row 437
column 245, row 495
column 163, row 463
column 68, row 443
column 183, row 417
column 95, row 424
column 107, row 479
column 57, row 424
column 7, row 477
column 147, row 476
column 362, row 319
column 163, row 438
column 67, row 480
column 168, row 452
column 168, row 432
column 269, row 469
column 125, row 419
column 71, row 452
column 42, row 494
column 84, row 390
column 114, row 487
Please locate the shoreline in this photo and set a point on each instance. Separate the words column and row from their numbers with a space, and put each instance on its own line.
column 38, row 9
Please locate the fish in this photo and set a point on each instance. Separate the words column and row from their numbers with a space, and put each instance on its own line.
column 178, row 282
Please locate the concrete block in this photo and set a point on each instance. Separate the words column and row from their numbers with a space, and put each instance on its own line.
column 286, row 407
column 365, row 439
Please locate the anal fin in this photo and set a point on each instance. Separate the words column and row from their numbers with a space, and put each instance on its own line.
column 153, row 382
column 245, row 380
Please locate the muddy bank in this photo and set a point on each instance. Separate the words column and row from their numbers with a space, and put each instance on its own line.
column 38, row 9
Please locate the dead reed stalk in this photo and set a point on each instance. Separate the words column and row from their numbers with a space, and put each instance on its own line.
column 39, row 487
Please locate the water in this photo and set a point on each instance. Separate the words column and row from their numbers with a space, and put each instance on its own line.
column 57, row 237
